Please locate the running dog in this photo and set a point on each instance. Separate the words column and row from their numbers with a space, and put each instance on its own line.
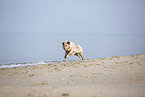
column 72, row 49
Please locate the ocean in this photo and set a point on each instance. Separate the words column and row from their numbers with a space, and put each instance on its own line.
column 21, row 49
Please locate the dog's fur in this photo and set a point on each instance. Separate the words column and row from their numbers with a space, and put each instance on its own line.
column 72, row 49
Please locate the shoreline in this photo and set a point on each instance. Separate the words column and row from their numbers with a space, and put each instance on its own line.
column 121, row 76
column 26, row 64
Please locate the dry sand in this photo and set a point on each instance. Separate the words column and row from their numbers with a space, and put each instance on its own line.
column 122, row 76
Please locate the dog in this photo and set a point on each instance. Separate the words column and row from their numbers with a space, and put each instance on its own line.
column 72, row 49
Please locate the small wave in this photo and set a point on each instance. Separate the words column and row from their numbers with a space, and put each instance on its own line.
column 13, row 65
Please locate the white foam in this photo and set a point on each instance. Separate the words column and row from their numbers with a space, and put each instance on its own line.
column 21, row 64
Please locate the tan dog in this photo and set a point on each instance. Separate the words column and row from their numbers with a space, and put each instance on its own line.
column 72, row 49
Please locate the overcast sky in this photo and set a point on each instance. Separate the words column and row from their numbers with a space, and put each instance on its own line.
column 72, row 16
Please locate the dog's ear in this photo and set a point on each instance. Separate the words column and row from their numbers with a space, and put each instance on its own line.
column 68, row 42
column 62, row 43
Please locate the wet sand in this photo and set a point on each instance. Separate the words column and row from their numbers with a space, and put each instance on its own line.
column 119, row 76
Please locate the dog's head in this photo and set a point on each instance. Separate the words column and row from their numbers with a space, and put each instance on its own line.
column 66, row 45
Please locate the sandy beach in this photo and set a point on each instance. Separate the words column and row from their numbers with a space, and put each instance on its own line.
column 118, row 76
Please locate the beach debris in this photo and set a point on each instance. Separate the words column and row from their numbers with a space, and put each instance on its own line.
column 65, row 94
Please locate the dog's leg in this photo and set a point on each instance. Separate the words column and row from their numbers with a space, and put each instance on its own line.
column 77, row 55
column 82, row 57
column 64, row 58
column 81, row 54
column 67, row 54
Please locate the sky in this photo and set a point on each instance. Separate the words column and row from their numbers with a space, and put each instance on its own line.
column 26, row 28
column 72, row 16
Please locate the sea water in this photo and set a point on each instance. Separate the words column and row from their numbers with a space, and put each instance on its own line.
column 19, row 49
